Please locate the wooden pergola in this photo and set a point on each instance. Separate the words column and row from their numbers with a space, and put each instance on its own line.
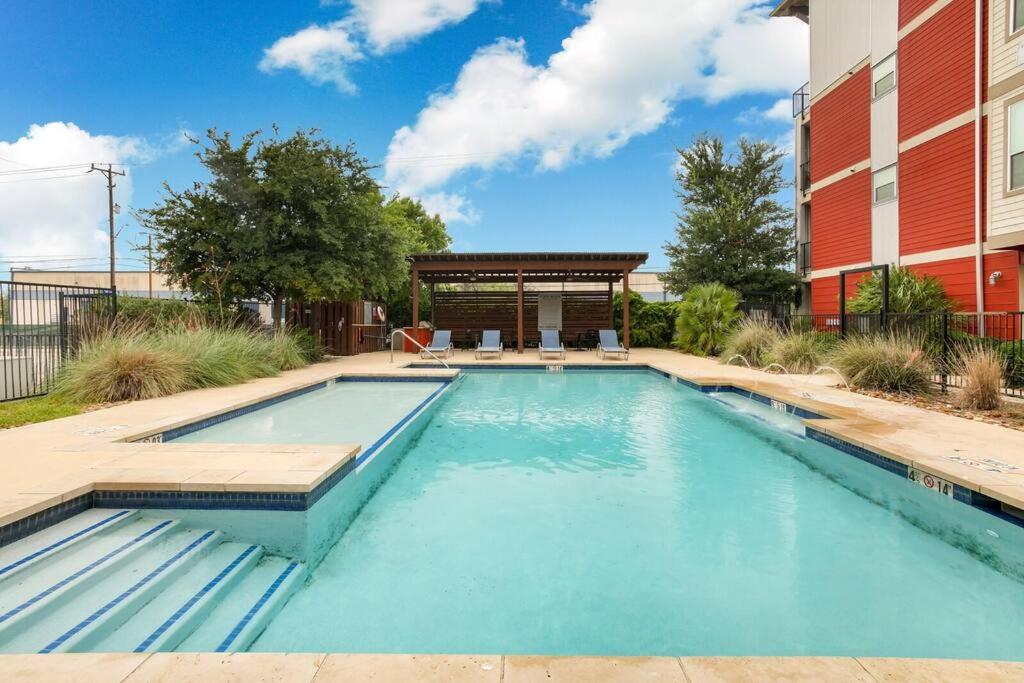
column 586, row 308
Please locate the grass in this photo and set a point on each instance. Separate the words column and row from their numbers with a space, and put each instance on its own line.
column 139, row 363
column 752, row 339
column 982, row 372
column 884, row 363
column 30, row 410
column 800, row 352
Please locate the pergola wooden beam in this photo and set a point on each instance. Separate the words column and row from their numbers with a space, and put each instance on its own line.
column 520, row 268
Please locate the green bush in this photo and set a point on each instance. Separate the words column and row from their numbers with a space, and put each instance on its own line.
column 651, row 323
column 886, row 363
column 706, row 317
column 908, row 293
column 138, row 363
column 310, row 348
column 1013, row 355
column 170, row 313
column 752, row 339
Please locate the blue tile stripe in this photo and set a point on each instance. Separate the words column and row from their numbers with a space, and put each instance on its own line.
column 138, row 585
column 375, row 446
column 64, row 541
column 251, row 614
column 81, row 572
column 191, row 602
column 26, row 526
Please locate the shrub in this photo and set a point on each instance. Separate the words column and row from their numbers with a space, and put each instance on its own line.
column 122, row 367
column 706, row 316
column 908, row 293
column 310, row 348
column 1013, row 362
column 174, row 313
column 801, row 353
column 752, row 339
column 886, row 363
column 981, row 370
column 137, row 363
column 651, row 323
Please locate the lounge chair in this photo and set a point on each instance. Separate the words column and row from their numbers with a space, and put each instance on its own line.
column 609, row 344
column 441, row 343
column 491, row 343
column 549, row 343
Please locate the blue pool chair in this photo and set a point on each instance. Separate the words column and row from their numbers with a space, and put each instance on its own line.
column 609, row 344
column 491, row 343
column 442, row 343
column 549, row 343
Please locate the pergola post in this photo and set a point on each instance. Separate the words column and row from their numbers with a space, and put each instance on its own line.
column 415, row 297
column 611, row 305
column 519, row 310
column 625, row 307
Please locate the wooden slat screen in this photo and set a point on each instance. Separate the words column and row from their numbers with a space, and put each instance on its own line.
column 467, row 314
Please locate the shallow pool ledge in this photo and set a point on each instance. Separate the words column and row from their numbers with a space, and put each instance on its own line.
column 304, row 667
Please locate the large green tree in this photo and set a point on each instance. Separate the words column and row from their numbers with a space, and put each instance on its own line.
column 297, row 217
column 426, row 233
column 731, row 227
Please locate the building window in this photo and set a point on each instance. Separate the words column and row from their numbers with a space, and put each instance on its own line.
column 1015, row 144
column 884, row 184
column 883, row 75
column 1016, row 15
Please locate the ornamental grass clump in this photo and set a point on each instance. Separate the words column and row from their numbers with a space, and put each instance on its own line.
column 132, row 363
column 753, row 340
column 800, row 353
column 884, row 363
column 981, row 371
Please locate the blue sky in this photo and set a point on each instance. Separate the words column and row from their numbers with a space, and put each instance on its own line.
column 523, row 141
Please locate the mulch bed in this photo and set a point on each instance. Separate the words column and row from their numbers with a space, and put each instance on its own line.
column 1010, row 415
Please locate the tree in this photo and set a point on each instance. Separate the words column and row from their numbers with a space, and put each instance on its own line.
column 298, row 217
column 426, row 234
column 731, row 228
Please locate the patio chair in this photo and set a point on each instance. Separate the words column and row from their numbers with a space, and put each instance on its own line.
column 609, row 344
column 549, row 343
column 491, row 343
column 441, row 343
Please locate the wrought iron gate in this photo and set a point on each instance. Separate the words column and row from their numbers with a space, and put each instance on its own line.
column 41, row 326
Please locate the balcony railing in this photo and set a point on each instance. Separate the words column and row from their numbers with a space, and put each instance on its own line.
column 805, row 176
column 803, row 259
column 801, row 100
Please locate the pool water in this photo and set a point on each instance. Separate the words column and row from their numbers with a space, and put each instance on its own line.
column 612, row 513
column 344, row 412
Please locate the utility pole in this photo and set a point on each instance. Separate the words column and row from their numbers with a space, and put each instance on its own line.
column 109, row 173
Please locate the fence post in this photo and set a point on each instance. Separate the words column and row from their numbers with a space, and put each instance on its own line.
column 945, row 352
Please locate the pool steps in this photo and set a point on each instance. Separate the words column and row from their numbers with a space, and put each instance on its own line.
column 113, row 580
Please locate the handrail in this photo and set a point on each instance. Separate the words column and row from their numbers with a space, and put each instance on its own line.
column 400, row 331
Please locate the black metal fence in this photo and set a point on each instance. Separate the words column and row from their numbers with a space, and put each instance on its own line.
column 942, row 336
column 41, row 326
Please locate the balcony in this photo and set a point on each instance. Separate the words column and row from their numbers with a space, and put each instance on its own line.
column 802, row 100
column 803, row 259
column 805, row 176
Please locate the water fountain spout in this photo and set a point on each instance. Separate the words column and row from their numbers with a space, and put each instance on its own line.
column 777, row 365
column 741, row 357
column 829, row 368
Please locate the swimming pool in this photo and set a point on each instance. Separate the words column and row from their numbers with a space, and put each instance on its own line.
column 586, row 512
column 614, row 513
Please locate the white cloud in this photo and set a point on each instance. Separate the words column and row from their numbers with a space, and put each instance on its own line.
column 323, row 53
column 780, row 112
column 452, row 208
column 617, row 76
column 63, row 212
column 320, row 53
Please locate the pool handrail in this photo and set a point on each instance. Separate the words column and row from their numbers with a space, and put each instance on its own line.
column 423, row 348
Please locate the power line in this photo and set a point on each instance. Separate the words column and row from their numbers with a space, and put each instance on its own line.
column 52, row 177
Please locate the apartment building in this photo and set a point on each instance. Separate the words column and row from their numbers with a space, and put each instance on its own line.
column 910, row 146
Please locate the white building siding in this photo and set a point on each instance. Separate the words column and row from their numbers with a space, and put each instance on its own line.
column 840, row 39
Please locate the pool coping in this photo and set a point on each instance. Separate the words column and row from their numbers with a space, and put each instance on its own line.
column 312, row 470
column 324, row 667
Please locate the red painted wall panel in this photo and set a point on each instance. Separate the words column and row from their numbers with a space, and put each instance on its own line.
column 841, row 126
column 936, row 193
column 825, row 292
column 841, row 222
column 936, row 69
column 958, row 277
column 911, row 8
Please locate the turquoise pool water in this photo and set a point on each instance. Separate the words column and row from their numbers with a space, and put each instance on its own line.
column 618, row 513
column 350, row 412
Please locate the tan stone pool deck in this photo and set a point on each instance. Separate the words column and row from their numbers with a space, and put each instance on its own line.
column 42, row 465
